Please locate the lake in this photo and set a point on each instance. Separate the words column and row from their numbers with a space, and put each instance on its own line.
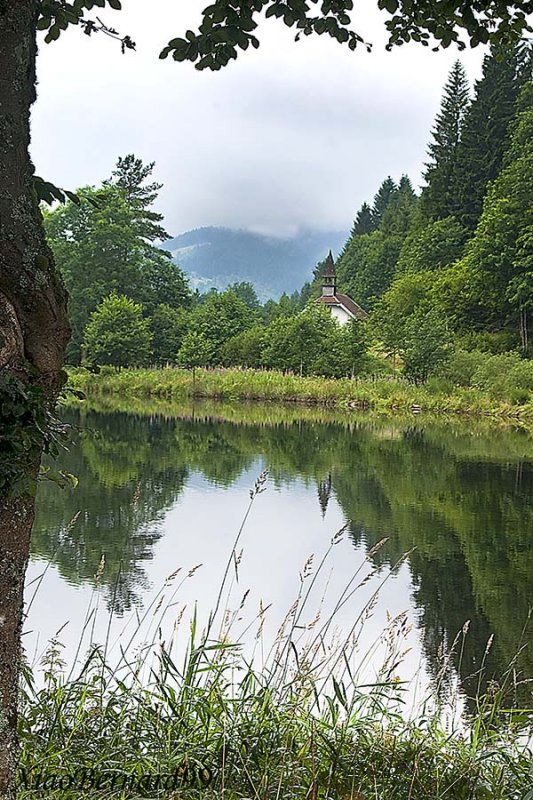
column 166, row 488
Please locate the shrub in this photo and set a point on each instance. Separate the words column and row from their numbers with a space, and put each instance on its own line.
column 460, row 369
column 493, row 373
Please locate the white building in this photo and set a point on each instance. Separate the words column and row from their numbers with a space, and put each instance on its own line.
column 342, row 307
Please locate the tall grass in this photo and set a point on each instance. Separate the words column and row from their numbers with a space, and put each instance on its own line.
column 291, row 718
column 234, row 384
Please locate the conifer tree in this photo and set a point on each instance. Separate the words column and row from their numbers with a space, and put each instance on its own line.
column 129, row 176
column 485, row 131
column 405, row 188
column 499, row 258
column 440, row 196
column 384, row 195
column 364, row 221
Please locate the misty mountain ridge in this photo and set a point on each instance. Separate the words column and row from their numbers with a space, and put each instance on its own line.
column 215, row 257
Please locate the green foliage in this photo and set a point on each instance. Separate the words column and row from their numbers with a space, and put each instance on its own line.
column 294, row 343
column 117, row 334
column 163, row 283
column 403, row 299
column 367, row 265
column 312, row 342
column 440, row 196
column 225, row 29
column 462, row 366
column 435, row 246
column 129, row 177
column 364, row 221
column 343, row 351
column 498, row 264
column 246, row 292
column 489, row 341
column 427, row 345
column 25, row 417
column 288, row 305
column 383, row 197
column 246, row 348
column 105, row 245
column 168, row 326
column 219, row 317
column 506, row 374
column 196, row 350
column 486, row 124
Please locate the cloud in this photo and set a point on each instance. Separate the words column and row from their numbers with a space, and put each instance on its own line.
column 289, row 136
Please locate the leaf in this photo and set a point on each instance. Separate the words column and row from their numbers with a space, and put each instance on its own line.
column 44, row 23
column 115, row 4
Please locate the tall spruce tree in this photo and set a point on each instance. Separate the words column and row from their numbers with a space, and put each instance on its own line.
column 383, row 197
column 442, row 176
column 485, row 131
column 364, row 221
column 405, row 188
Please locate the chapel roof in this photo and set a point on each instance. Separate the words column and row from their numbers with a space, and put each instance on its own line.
column 345, row 302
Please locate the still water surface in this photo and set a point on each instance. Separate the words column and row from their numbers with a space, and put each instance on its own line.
column 158, row 492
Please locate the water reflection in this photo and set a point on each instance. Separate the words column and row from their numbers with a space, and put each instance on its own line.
column 460, row 496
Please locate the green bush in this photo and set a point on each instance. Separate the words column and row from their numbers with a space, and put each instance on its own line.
column 460, row 369
column 427, row 345
column 493, row 373
column 495, row 343
column 521, row 375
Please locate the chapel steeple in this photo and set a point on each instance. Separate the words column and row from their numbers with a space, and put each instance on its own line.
column 329, row 277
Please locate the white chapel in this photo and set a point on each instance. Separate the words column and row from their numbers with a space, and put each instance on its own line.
column 342, row 307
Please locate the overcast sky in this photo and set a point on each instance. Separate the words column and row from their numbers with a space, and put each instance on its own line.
column 290, row 136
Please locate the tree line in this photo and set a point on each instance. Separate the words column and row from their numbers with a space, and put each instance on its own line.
column 456, row 262
column 444, row 272
column 129, row 304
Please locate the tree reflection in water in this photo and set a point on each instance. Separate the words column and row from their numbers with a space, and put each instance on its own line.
column 460, row 494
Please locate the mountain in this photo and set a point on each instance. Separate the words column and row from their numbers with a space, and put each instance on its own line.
column 216, row 257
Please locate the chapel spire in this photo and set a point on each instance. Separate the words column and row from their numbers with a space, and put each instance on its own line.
column 329, row 277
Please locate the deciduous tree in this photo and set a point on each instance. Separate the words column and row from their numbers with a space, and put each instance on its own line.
column 117, row 334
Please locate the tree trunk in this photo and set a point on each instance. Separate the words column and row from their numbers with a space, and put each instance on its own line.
column 33, row 335
column 523, row 328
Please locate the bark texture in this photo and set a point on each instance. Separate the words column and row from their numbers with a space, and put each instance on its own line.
column 33, row 335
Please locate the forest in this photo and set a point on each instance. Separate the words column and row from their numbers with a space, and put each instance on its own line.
column 446, row 273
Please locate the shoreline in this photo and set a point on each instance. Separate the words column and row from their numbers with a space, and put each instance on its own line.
column 343, row 396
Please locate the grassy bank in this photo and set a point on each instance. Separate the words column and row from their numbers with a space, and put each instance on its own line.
column 232, row 384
